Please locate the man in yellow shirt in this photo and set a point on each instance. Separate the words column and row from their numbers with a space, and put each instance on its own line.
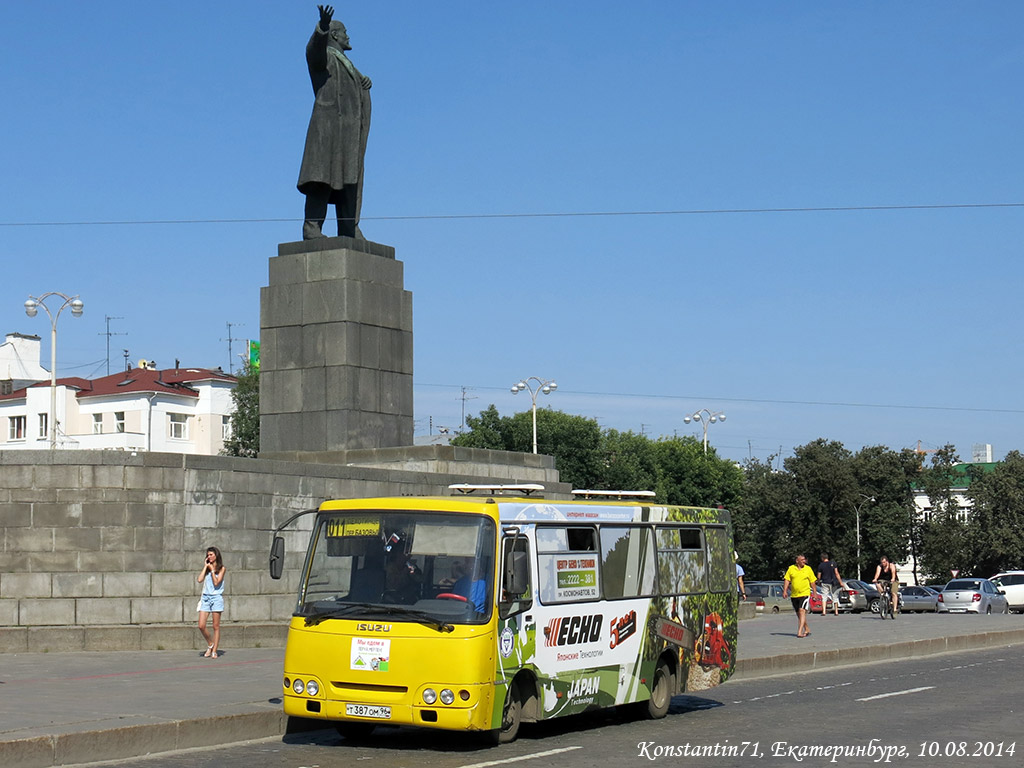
column 800, row 580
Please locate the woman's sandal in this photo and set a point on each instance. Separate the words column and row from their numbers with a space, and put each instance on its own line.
column 213, row 655
column 209, row 652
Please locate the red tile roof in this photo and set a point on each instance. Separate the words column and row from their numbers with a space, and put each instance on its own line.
column 169, row 381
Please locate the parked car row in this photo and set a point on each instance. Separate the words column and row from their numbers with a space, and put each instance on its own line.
column 1002, row 593
column 767, row 598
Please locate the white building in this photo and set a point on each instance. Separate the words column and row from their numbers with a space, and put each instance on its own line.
column 176, row 410
column 19, row 362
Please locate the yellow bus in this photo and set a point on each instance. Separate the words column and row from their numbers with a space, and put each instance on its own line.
column 480, row 611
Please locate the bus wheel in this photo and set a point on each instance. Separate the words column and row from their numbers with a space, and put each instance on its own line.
column 354, row 731
column 661, row 693
column 511, row 716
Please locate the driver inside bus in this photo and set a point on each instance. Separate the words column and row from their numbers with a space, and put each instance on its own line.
column 402, row 579
column 475, row 589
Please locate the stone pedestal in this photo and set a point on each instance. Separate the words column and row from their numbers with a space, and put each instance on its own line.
column 335, row 348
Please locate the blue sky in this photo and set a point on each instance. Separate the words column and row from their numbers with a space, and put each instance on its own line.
column 884, row 326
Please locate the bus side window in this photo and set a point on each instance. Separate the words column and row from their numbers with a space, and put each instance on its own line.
column 515, row 574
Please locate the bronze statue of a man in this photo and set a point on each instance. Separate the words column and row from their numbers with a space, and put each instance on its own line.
column 332, row 162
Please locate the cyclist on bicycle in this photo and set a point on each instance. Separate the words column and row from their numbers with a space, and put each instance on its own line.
column 887, row 579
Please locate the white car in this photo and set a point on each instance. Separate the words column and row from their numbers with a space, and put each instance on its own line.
column 1012, row 584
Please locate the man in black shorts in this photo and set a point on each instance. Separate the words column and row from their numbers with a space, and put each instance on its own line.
column 830, row 582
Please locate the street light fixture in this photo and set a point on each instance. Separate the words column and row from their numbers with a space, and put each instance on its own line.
column 706, row 418
column 542, row 385
column 32, row 309
column 857, row 507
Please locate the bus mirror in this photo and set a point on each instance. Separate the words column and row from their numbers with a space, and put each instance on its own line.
column 277, row 557
column 516, row 579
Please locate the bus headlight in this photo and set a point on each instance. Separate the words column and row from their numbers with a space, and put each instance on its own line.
column 447, row 696
column 297, row 686
column 429, row 695
column 312, row 688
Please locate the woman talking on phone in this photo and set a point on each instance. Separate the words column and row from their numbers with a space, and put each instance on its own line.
column 212, row 599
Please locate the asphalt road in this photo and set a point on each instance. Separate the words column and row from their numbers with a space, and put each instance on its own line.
column 949, row 710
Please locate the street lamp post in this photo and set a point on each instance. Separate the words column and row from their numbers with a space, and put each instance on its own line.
column 857, row 507
column 542, row 385
column 706, row 418
column 31, row 308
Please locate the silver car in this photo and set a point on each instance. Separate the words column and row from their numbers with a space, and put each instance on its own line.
column 916, row 599
column 972, row 596
column 767, row 596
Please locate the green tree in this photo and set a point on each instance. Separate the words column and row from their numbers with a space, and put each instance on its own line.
column 689, row 477
column 629, row 462
column 995, row 531
column 760, row 520
column 944, row 534
column 245, row 420
column 574, row 441
column 824, row 489
column 885, row 480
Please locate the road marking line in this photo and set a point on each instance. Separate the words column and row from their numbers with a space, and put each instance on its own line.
column 896, row 693
column 521, row 757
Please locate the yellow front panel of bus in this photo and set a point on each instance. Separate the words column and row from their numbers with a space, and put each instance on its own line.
column 379, row 671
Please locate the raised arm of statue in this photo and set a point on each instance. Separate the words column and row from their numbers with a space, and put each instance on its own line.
column 326, row 14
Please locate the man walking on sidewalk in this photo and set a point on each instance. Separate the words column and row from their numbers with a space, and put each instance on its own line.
column 799, row 581
column 830, row 582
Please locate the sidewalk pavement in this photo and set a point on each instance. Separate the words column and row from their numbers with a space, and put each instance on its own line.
column 69, row 708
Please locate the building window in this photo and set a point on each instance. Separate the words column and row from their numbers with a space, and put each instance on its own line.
column 44, row 425
column 225, row 427
column 6, row 387
column 119, row 421
column 179, row 426
column 97, row 423
column 16, row 427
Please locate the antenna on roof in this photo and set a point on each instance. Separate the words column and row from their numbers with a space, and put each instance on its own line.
column 230, row 339
column 110, row 333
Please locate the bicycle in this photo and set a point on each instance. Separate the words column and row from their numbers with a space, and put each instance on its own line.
column 885, row 604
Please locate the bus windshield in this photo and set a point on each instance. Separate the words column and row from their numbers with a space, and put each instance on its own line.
column 426, row 567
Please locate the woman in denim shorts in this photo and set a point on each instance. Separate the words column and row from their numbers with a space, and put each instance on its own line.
column 212, row 599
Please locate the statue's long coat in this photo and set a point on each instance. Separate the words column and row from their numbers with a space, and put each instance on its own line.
column 338, row 127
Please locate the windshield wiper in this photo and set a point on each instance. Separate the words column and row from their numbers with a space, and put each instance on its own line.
column 422, row 616
column 391, row 610
column 338, row 613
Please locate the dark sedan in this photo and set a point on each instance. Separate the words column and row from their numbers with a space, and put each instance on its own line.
column 859, row 596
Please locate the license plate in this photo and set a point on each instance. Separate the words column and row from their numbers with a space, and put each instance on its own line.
column 363, row 710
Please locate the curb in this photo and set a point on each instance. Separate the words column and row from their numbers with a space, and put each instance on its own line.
column 138, row 740
column 747, row 669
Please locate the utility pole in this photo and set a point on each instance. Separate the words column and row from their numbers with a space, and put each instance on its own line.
column 230, row 339
column 464, row 398
column 108, row 334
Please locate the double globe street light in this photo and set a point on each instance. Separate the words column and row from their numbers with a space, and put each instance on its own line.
column 706, row 418
column 32, row 309
column 542, row 385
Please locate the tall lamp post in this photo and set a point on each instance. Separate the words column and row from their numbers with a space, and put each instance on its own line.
column 706, row 418
column 857, row 507
column 542, row 385
column 31, row 308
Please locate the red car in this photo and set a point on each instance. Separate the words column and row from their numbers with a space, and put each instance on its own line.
column 816, row 601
